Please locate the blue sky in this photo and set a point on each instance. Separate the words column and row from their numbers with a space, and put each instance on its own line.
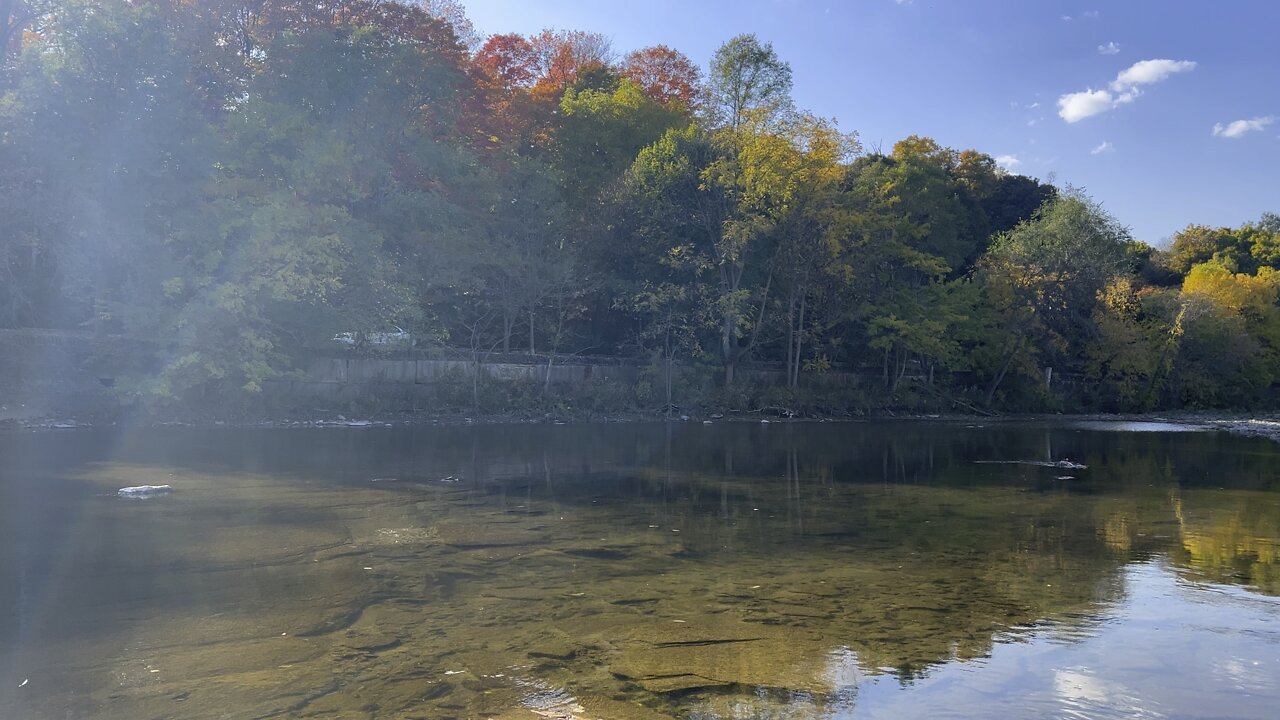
column 990, row 75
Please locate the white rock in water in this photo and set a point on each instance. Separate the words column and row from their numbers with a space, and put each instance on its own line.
column 142, row 491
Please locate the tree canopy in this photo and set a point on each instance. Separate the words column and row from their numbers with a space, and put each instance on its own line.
column 235, row 181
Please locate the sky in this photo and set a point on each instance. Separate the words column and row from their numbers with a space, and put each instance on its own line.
column 1167, row 112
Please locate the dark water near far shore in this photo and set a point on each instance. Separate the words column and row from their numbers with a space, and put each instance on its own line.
column 640, row 571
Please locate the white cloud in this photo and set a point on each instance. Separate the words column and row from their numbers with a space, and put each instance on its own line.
column 1092, row 14
column 1008, row 162
column 1079, row 689
column 1110, row 48
column 1066, row 18
column 1074, row 107
column 1240, row 127
column 1146, row 72
column 1105, row 147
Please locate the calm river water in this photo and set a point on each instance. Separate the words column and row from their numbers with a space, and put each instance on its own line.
column 888, row 570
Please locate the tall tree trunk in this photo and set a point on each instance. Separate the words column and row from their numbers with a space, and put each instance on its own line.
column 902, row 369
column 531, row 348
column 669, row 363
column 726, row 320
column 1004, row 368
column 795, row 377
column 736, row 354
column 726, row 346
column 791, row 333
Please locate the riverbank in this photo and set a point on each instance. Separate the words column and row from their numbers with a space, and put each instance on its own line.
column 61, row 380
column 1261, row 425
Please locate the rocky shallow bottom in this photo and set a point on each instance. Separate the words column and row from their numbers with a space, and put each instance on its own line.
column 419, row 598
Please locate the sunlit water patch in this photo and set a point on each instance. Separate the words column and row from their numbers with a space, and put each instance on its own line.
column 1137, row 426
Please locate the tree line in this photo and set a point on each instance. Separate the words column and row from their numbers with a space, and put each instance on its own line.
column 235, row 181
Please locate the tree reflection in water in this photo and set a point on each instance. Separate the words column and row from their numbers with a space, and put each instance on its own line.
column 731, row 570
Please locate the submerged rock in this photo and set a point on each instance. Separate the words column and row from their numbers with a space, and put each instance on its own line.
column 714, row 651
column 550, row 702
column 144, row 491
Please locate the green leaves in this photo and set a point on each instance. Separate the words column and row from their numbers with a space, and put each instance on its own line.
column 599, row 134
column 747, row 78
column 1044, row 277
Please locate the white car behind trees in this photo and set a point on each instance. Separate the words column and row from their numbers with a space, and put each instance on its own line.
column 396, row 336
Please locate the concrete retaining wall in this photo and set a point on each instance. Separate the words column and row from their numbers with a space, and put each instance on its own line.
column 47, row 372
column 420, row 372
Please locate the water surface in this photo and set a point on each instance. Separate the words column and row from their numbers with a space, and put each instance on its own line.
column 640, row 571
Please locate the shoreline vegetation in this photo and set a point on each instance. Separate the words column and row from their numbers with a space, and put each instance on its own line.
column 231, row 190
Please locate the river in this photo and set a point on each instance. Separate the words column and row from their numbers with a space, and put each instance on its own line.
column 641, row 571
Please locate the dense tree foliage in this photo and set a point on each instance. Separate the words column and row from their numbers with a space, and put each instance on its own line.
column 235, row 181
